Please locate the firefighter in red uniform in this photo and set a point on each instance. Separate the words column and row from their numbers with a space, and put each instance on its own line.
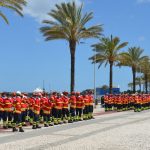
column 131, row 99
column 91, row 108
column 42, row 99
column 110, row 102
column 137, row 106
column 72, row 102
column 30, row 102
column 17, row 114
column 106, row 102
column 47, row 106
column 58, row 109
column 24, row 109
column 7, row 115
column 79, row 106
column 119, row 103
column 65, row 110
column 1, row 109
column 86, row 107
column 36, row 111
column 53, row 99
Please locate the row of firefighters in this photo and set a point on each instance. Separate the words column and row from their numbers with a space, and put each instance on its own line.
column 18, row 109
column 136, row 102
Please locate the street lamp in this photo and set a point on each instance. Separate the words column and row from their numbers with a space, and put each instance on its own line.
column 95, row 79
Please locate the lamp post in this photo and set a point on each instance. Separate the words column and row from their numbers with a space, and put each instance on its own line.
column 43, row 86
column 95, row 79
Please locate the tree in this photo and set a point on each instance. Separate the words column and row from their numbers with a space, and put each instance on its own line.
column 69, row 24
column 132, row 58
column 105, row 87
column 145, row 69
column 15, row 5
column 107, row 51
column 138, row 81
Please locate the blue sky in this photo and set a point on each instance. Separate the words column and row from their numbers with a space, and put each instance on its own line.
column 27, row 60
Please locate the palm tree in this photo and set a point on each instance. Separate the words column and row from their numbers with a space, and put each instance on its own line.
column 145, row 69
column 130, row 85
column 107, row 51
column 138, row 81
column 15, row 5
column 69, row 24
column 132, row 58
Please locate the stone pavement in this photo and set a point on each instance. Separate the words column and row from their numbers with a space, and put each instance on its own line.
column 112, row 131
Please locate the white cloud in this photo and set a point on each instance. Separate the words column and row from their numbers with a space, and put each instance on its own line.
column 38, row 9
column 141, row 39
column 143, row 1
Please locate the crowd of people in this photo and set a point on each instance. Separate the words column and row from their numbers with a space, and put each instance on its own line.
column 123, row 102
column 20, row 109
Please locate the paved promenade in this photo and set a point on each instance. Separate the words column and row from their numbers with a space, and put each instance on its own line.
column 110, row 131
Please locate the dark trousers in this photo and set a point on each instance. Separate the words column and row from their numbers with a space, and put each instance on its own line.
column 119, row 107
column 41, row 113
column 58, row 113
column 110, row 106
column 79, row 112
column 31, row 114
column 86, row 110
column 1, row 115
column 7, row 115
column 53, row 111
column 72, row 112
column 106, row 105
column 138, row 106
column 65, row 112
column 36, row 118
column 46, row 117
column 17, row 120
column 24, row 114
column 91, row 108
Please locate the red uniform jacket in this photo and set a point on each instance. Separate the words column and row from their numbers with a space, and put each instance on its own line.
column 91, row 100
column 65, row 102
column 36, row 106
column 47, row 106
column 24, row 105
column 80, row 102
column 8, row 104
column 1, row 104
column 59, row 103
column 17, row 105
column 73, row 101
column 30, row 102
column 86, row 100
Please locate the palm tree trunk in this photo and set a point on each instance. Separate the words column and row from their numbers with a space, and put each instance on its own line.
column 111, row 78
column 146, row 83
column 134, row 76
column 140, row 86
column 72, row 45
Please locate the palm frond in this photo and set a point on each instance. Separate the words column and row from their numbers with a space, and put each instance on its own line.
column 4, row 17
column 70, row 22
column 108, row 49
column 15, row 5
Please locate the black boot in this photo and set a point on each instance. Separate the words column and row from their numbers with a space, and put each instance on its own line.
column 14, row 129
column 37, row 126
column 51, row 124
column 45, row 125
column 9, row 126
column 5, row 127
column 20, row 129
column 34, row 127
column 70, row 121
